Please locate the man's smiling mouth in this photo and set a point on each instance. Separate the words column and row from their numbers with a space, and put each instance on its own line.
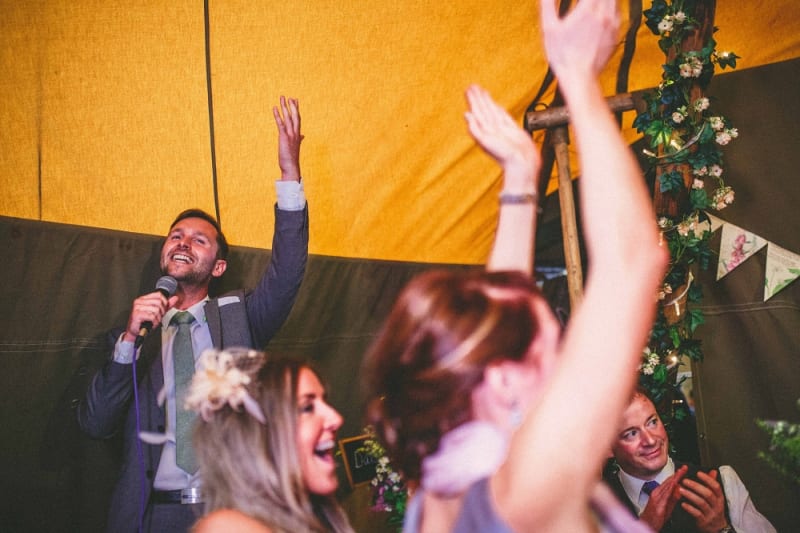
column 182, row 258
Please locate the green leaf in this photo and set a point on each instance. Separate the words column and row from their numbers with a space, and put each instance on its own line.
column 707, row 135
column 696, row 318
column 727, row 61
column 671, row 181
column 695, row 293
column 659, row 132
column 699, row 199
column 660, row 374
column 692, row 349
column 675, row 335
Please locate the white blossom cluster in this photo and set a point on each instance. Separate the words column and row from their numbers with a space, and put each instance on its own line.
column 725, row 136
column 723, row 197
column 692, row 67
column 667, row 24
column 688, row 225
column 650, row 360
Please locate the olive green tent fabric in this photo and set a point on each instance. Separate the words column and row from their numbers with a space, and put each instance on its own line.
column 752, row 348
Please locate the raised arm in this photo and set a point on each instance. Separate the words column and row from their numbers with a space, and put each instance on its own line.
column 567, row 435
column 269, row 305
column 511, row 146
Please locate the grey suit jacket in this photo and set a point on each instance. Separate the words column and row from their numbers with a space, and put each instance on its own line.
column 108, row 406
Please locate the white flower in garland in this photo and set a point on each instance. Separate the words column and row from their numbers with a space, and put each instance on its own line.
column 664, row 223
column 701, row 104
column 649, row 363
column 723, row 197
column 688, row 225
column 692, row 67
column 723, row 137
column 716, row 123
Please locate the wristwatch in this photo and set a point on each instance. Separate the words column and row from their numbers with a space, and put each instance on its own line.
column 727, row 529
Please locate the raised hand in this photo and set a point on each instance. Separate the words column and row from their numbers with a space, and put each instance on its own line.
column 503, row 139
column 287, row 118
column 583, row 39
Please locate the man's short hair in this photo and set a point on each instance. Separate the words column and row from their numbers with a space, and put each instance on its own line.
column 222, row 242
column 641, row 390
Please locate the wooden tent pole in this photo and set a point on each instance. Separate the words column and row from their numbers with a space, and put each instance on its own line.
column 569, row 225
column 555, row 120
column 559, row 116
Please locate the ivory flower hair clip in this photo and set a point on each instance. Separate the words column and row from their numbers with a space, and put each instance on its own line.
column 222, row 380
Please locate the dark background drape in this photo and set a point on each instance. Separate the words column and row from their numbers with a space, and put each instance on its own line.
column 752, row 348
column 67, row 285
column 64, row 286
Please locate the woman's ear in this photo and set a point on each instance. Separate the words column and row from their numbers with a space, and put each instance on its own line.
column 502, row 396
column 492, row 376
column 499, row 378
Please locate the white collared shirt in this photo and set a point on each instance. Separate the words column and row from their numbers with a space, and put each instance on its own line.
column 633, row 485
column 742, row 512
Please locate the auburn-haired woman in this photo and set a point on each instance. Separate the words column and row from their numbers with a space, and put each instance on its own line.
column 500, row 421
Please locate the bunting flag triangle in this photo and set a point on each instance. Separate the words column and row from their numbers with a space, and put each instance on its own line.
column 714, row 222
column 736, row 246
column 783, row 267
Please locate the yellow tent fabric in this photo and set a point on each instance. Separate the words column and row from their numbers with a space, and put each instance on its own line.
column 104, row 115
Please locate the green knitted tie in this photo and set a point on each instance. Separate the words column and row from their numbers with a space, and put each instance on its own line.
column 183, row 361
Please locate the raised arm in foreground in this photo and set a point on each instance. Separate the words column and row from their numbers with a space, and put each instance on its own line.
column 514, row 151
column 565, row 437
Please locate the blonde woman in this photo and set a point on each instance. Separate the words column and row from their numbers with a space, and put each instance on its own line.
column 264, row 442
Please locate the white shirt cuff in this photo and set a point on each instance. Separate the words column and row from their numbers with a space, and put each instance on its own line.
column 291, row 196
column 123, row 351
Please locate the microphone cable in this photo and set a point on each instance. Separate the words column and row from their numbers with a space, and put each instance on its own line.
column 139, row 449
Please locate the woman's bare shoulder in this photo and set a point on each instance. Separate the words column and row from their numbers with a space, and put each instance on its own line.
column 226, row 520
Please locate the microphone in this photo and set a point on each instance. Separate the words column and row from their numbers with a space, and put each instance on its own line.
column 166, row 285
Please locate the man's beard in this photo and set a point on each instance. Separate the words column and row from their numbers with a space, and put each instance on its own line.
column 193, row 277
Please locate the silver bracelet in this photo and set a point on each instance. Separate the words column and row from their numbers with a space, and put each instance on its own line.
column 514, row 199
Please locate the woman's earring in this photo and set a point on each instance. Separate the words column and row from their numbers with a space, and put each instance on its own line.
column 515, row 417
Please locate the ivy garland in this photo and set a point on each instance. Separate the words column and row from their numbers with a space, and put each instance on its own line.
column 685, row 140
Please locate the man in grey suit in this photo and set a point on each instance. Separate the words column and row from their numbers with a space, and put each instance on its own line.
column 153, row 493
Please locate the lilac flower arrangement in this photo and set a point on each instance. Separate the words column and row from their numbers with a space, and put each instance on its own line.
column 389, row 490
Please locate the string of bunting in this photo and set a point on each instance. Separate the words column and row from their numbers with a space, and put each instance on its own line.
column 738, row 244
